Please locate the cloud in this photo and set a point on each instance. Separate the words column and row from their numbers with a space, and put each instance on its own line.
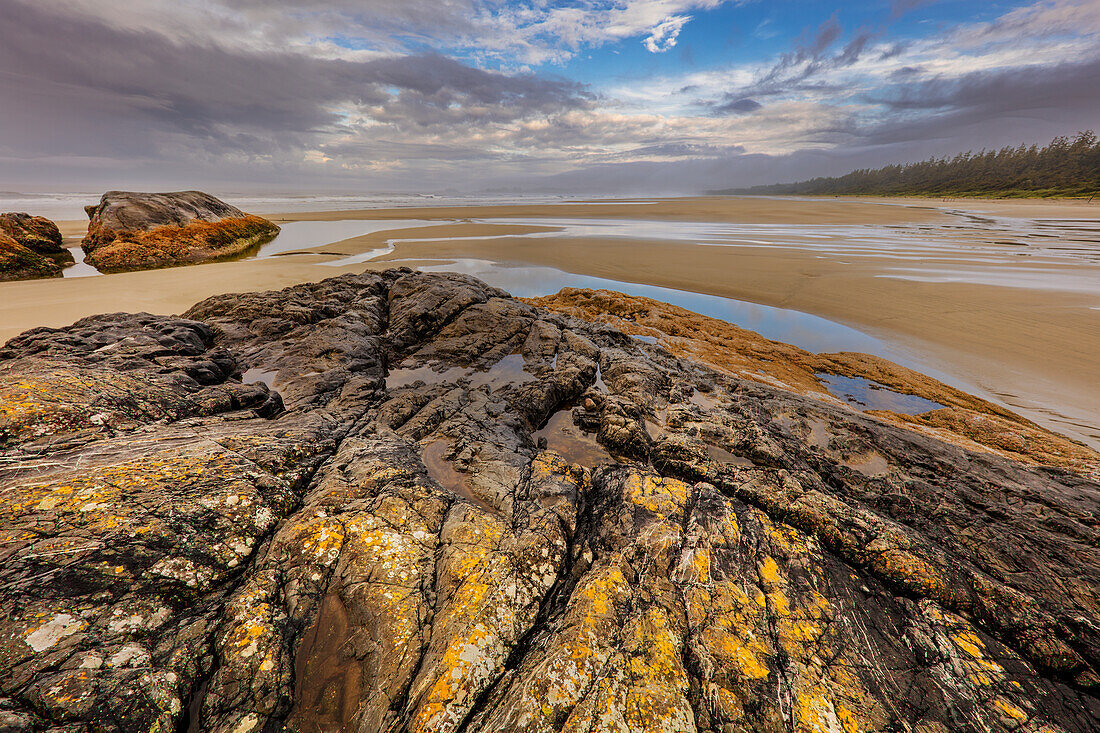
column 899, row 8
column 252, row 101
column 1065, row 90
column 433, row 93
column 741, row 105
column 664, row 35
column 524, row 31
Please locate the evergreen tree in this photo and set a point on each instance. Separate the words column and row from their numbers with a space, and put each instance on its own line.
column 1068, row 166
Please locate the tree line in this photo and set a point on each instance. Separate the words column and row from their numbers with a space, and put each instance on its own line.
column 1068, row 166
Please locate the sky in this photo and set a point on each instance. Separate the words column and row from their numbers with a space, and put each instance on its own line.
column 571, row 96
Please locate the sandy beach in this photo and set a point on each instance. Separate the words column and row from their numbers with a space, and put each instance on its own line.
column 1034, row 348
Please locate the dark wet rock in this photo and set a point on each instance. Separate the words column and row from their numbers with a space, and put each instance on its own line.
column 31, row 247
column 140, row 231
column 368, row 536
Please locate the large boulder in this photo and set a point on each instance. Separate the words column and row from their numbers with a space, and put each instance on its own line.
column 403, row 502
column 31, row 247
column 143, row 231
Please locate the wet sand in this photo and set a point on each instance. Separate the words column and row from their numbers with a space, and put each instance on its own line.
column 1036, row 349
column 1029, row 347
column 712, row 208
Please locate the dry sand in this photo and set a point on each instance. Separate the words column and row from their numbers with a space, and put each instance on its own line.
column 1035, row 349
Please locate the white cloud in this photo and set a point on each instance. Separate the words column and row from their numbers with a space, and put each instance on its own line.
column 664, row 36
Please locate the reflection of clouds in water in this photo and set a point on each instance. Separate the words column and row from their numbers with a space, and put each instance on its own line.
column 1015, row 277
column 988, row 241
column 79, row 268
column 794, row 327
column 804, row 330
column 370, row 254
column 984, row 250
column 1026, row 253
column 870, row 395
column 306, row 234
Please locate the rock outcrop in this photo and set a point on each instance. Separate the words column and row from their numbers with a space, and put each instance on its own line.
column 31, row 247
column 140, row 231
column 963, row 418
column 409, row 502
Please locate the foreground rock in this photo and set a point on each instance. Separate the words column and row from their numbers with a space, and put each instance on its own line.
column 31, row 247
column 435, row 508
column 141, row 231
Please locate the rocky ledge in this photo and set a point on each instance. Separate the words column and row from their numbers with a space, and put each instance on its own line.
column 409, row 502
column 142, row 231
column 31, row 247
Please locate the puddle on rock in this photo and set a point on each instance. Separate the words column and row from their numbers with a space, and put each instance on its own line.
column 721, row 455
column 446, row 475
column 868, row 395
column 571, row 442
column 510, row 370
column 327, row 674
column 260, row 375
column 655, row 429
column 599, row 383
column 819, row 433
column 705, row 400
column 870, row 465
column 813, row 431
column 429, row 374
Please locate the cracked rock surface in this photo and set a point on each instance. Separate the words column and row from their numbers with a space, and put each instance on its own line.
column 409, row 502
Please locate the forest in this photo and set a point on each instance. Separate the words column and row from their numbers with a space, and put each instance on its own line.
column 1067, row 167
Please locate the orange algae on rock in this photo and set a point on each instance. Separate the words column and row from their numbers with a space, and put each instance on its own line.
column 237, row 561
column 966, row 420
column 137, row 231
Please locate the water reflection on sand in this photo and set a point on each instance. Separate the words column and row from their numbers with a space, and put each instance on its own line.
column 973, row 248
column 79, row 268
column 804, row 330
column 305, row 235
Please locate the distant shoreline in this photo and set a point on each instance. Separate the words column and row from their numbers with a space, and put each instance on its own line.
column 1091, row 199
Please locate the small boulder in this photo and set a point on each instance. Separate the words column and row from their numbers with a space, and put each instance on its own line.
column 31, row 247
column 34, row 232
column 140, row 231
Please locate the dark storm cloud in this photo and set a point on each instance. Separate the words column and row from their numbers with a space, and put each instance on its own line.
column 111, row 83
